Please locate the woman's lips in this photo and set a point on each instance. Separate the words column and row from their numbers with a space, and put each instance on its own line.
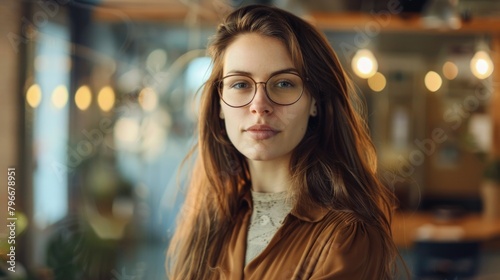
column 261, row 131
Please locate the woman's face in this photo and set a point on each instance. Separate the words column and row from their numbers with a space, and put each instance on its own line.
column 263, row 130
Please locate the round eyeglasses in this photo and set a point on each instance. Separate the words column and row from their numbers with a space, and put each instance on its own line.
column 239, row 90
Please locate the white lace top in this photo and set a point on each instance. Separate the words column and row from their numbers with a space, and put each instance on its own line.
column 269, row 211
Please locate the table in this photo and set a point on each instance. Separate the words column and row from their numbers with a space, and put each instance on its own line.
column 408, row 227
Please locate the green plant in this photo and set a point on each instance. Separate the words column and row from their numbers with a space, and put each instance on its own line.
column 492, row 171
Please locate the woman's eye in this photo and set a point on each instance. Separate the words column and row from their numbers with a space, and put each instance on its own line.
column 284, row 84
column 240, row 85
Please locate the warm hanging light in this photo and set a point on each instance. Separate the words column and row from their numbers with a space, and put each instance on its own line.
column 148, row 99
column 450, row 70
column 34, row 95
column 364, row 64
column 106, row 98
column 60, row 97
column 377, row 82
column 433, row 81
column 83, row 98
column 481, row 65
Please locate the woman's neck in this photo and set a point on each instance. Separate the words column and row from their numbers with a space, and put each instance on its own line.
column 269, row 176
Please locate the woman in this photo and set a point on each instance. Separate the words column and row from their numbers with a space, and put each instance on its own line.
column 284, row 184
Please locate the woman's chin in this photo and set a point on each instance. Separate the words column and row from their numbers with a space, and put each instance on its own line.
column 267, row 156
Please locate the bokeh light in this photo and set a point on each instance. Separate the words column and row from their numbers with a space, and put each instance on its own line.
column 364, row 64
column 377, row 82
column 433, row 81
column 83, row 97
column 34, row 95
column 481, row 65
column 60, row 96
column 148, row 99
column 106, row 98
column 450, row 70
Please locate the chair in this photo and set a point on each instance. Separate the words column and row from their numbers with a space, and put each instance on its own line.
column 443, row 260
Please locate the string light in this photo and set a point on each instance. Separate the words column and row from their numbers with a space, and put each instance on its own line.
column 481, row 65
column 148, row 99
column 377, row 82
column 60, row 97
column 34, row 95
column 106, row 98
column 450, row 70
column 364, row 64
column 433, row 81
column 83, row 98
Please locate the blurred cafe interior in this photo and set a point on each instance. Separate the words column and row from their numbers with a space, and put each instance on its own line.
column 98, row 109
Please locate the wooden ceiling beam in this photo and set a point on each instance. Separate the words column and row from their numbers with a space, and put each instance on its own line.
column 166, row 12
column 395, row 23
column 176, row 11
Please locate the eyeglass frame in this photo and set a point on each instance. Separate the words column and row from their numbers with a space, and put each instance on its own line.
column 218, row 84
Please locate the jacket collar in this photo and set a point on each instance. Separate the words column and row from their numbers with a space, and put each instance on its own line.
column 309, row 212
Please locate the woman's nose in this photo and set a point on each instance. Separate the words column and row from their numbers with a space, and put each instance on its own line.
column 261, row 103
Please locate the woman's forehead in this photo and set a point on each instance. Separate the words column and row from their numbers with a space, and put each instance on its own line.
column 256, row 54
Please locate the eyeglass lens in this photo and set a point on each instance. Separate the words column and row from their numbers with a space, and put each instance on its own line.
column 282, row 88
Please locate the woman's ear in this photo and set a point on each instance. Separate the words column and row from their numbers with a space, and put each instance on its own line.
column 313, row 111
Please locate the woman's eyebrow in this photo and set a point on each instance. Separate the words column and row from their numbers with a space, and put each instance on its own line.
column 241, row 72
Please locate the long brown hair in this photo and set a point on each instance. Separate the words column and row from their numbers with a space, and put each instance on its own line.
column 334, row 165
